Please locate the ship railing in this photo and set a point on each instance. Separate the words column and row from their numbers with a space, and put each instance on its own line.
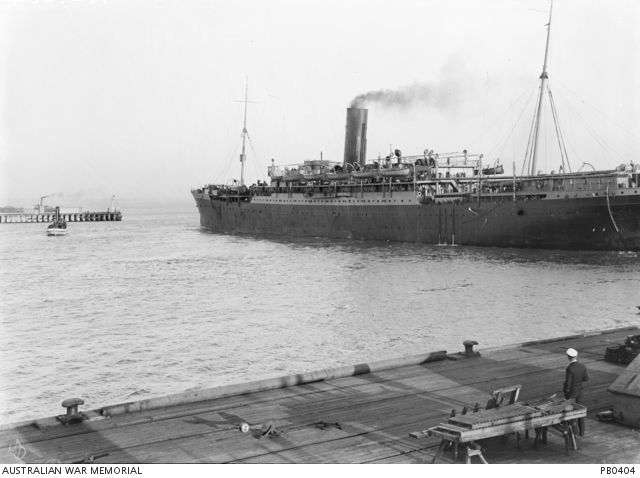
column 310, row 168
column 450, row 162
column 307, row 165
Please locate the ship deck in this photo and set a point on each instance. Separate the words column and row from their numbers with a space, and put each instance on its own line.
column 357, row 418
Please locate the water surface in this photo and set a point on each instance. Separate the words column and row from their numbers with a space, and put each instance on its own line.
column 153, row 305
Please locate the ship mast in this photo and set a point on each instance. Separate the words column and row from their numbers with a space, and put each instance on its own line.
column 543, row 78
column 243, row 156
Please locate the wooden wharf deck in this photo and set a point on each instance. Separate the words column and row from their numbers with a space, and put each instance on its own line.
column 360, row 414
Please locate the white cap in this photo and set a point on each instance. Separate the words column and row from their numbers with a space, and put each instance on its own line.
column 572, row 353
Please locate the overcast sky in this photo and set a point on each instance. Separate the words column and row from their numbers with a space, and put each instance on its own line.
column 139, row 98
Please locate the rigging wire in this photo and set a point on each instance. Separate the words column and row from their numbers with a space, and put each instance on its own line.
column 562, row 143
column 546, row 146
column 224, row 176
column 599, row 111
column 592, row 131
column 556, row 121
column 605, row 146
column 259, row 174
column 495, row 120
column 511, row 134
column 528, row 155
column 598, row 139
column 513, row 125
column 559, row 135
column 484, row 105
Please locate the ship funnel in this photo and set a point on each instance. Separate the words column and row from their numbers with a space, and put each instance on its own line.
column 355, row 138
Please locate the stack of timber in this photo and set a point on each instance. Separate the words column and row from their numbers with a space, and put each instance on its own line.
column 359, row 414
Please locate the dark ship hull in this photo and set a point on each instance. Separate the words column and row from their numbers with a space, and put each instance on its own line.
column 583, row 221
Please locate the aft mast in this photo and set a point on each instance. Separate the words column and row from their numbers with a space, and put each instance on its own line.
column 243, row 156
column 543, row 79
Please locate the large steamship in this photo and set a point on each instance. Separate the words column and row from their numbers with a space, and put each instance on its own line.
column 434, row 198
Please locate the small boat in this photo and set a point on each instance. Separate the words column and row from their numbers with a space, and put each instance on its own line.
column 54, row 230
column 338, row 176
column 338, row 173
column 369, row 171
column 399, row 170
column 496, row 169
column 58, row 227
column 314, row 176
column 276, row 173
column 316, row 170
column 292, row 175
column 365, row 174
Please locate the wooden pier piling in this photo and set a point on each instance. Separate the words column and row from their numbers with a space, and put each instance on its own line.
column 86, row 216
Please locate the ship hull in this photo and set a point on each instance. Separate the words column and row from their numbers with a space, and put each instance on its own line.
column 54, row 231
column 583, row 223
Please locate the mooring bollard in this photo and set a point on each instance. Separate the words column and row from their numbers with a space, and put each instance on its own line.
column 72, row 416
column 468, row 348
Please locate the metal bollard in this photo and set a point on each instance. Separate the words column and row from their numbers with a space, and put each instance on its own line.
column 73, row 415
column 468, row 348
column 71, row 404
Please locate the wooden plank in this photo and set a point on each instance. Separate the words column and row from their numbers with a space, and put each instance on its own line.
column 468, row 435
column 338, row 395
column 495, row 416
column 295, row 440
column 30, row 434
column 170, row 431
column 409, row 418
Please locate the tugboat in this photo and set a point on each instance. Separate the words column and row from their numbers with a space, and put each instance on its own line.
column 58, row 227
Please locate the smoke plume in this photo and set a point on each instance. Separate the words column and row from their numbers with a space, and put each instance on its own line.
column 410, row 95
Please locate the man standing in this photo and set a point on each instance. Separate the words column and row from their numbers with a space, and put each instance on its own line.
column 575, row 376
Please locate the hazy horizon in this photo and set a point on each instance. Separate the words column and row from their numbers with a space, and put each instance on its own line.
column 124, row 204
column 141, row 99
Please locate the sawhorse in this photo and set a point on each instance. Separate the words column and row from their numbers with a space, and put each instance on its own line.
column 566, row 429
column 471, row 449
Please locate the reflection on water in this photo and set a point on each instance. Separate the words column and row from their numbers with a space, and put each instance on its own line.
column 153, row 305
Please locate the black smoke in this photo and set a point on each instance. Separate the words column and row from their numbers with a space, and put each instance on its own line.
column 411, row 95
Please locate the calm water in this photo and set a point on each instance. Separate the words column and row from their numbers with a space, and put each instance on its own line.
column 152, row 305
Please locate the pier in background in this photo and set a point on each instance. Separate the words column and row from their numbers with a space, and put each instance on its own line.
column 37, row 217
